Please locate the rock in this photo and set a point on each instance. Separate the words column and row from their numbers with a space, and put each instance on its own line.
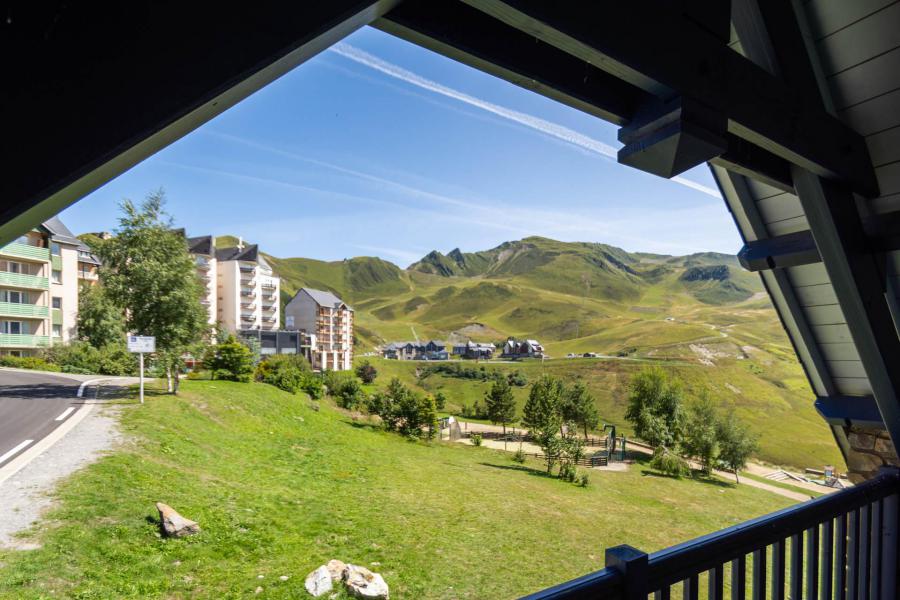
column 318, row 583
column 363, row 583
column 258, row 590
column 283, row 578
column 173, row 524
column 336, row 569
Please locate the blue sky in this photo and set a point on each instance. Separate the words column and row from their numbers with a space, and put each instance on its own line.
column 377, row 147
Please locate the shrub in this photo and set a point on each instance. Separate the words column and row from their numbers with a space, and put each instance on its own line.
column 313, row 386
column 440, row 400
column 349, row 394
column 229, row 360
column 519, row 456
column 666, row 461
column 567, row 471
column 27, row 362
column 287, row 372
column 476, row 439
column 81, row 357
column 366, row 372
column 584, row 480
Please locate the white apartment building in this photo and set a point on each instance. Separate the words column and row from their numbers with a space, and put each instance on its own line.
column 241, row 291
column 39, row 289
column 329, row 322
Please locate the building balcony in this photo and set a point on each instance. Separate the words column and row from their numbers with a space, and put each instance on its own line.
column 842, row 545
column 247, row 269
column 247, row 293
column 28, row 311
column 22, row 340
column 270, row 307
column 204, row 302
column 202, row 265
column 18, row 280
column 26, row 251
column 269, row 283
column 248, row 305
column 89, row 275
column 248, row 282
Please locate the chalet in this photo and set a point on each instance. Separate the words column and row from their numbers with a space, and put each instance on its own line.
column 474, row 350
column 430, row 350
column 515, row 349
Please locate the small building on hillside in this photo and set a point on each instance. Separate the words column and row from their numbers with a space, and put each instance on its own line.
column 474, row 350
column 430, row 350
column 329, row 322
column 515, row 349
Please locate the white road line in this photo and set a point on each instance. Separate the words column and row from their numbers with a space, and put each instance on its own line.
column 65, row 413
column 15, row 450
column 84, row 385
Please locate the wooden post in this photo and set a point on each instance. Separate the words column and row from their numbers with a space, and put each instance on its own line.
column 632, row 564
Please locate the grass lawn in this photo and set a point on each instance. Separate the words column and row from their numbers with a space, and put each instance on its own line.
column 280, row 488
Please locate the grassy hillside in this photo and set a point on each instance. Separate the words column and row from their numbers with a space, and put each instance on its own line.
column 279, row 489
column 702, row 311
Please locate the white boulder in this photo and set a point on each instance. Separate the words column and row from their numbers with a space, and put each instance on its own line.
column 318, row 583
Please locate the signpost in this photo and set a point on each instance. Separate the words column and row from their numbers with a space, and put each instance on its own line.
column 141, row 344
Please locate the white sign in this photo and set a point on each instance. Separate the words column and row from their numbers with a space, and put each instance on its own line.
column 141, row 343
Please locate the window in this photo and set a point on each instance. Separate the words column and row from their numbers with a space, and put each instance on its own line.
column 12, row 327
column 54, row 249
column 57, row 302
column 13, row 296
column 12, row 267
column 56, row 276
column 57, row 331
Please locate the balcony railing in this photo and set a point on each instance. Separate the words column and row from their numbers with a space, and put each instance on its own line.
column 22, row 340
column 32, row 311
column 247, row 269
column 26, row 251
column 843, row 545
column 33, row 282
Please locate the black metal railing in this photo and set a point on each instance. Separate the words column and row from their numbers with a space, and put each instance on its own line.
column 840, row 546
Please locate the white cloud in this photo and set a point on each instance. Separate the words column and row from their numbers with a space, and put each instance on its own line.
column 549, row 128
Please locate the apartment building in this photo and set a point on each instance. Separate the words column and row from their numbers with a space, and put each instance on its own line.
column 88, row 265
column 241, row 291
column 39, row 289
column 329, row 322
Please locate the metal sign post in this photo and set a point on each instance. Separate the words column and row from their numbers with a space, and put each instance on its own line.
column 141, row 344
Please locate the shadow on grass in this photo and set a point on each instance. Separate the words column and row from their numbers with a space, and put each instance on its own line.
column 714, row 481
column 521, row 468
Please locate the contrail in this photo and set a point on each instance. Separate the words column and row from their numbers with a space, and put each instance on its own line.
column 555, row 130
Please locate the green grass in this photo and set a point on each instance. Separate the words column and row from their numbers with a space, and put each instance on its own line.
column 280, row 488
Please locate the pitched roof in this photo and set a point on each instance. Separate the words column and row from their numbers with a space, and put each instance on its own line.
column 250, row 253
column 59, row 232
column 324, row 298
column 201, row 245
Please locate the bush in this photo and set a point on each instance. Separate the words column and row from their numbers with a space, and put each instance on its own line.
column 584, row 480
column 476, row 439
column 288, row 372
column 567, row 471
column 229, row 360
column 666, row 461
column 519, row 456
column 81, row 357
column 313, row 386
column 349, row 394
column 366, row 372
column 440, row 400
column 27, row 362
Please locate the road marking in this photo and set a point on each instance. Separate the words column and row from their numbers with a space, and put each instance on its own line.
column 65, row 413
column 84, row 385
column 15, row 450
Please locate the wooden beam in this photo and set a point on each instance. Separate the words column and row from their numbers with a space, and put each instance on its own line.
column 669, row 55
column 471, row 37
column 95, row 88
column 859, row 284
column 791, row 250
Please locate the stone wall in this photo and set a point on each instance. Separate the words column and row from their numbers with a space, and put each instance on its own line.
column 870, row 449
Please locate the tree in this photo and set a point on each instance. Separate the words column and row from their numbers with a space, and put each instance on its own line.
column 571, row 450
column 500, row 404
column 230, row 360
column 700, row 436
column 736, row 444
column 366, row 372
column 148, row 273
column 578, row 406
column 100, row 322
column 349, row 394
column 440, row 400
column 654, row 408
column 541, row 416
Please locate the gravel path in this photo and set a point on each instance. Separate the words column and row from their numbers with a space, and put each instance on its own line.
column 28, row 493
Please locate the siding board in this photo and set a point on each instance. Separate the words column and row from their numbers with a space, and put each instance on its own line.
column 832, row 334
column 874, row 115
column 876, row 34
column 816, row 295
column 848, row 369
column 814, row 274
column 867, row 80
column 762, row 190
column 788, row 226
column 827, row 16
column 780, row 207
column 888, row 178
column 853, row 386
column 884, row 146
column 826, row 314
column 834, row 352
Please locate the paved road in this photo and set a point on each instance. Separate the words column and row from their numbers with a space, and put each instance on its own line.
column 32, row 405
